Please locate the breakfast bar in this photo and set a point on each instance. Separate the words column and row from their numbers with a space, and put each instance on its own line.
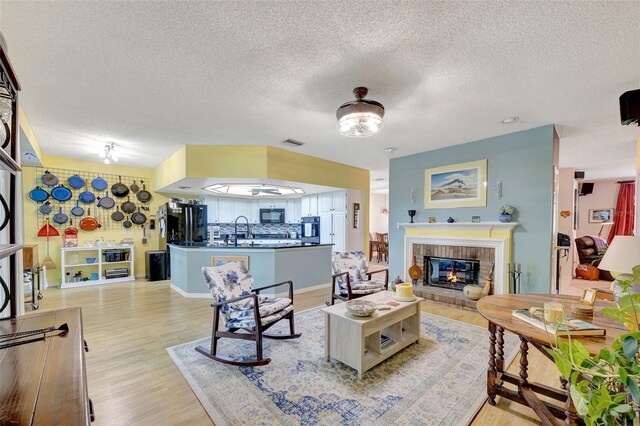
column 307, row 265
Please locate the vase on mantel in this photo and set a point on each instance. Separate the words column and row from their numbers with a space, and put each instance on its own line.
column 415, row 272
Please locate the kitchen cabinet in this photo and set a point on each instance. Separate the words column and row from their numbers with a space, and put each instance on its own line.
column 293, row 211
column 309, row 205
column 332, row 201
column 333, row 230
column 226, row 210
column 212, row 209
column 272, row 204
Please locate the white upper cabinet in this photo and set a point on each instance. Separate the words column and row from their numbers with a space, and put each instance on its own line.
column 226, row 210
column 293, row 211
column 332, row 201
column 309, row 205
column 212, row 209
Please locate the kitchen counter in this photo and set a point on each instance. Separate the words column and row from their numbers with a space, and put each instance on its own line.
column 307, row 265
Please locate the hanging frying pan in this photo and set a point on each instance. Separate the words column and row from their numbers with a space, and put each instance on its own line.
column 128, row 207
column 38, row 194
column 60, row 218
column 49, row 178
column 71, row 230
column 7, row 136
column 106, row 202
column 127, row 223
column 75, row 181
column 7, row 213
column 117, row 215
column 138, row 217
column 77, row 211
column 45, row 208
column 134, row 187
column 61, row 193
column 119, row 189
column 88, row 223
column 99, row 184
column 87, row 197
column 143, row 196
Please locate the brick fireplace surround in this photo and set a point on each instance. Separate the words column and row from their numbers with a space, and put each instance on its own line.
column 488, row 242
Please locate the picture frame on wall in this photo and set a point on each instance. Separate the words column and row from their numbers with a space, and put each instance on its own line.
column 600, row 215
column 223, row 260
column 456, row 185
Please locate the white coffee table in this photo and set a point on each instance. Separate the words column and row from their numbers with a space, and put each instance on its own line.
column 356, row 341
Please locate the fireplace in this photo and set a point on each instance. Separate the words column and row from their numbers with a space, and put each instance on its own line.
column 450, row 273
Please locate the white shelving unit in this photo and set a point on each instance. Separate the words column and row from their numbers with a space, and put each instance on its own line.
column 99, row 266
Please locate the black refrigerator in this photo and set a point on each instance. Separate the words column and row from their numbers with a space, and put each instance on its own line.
column 183, row 224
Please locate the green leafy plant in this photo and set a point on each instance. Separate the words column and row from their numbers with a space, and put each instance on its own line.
column 605, row 387
column 507, row 209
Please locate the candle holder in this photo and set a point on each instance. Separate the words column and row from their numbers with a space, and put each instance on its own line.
column 412, row 213
column 514, row 270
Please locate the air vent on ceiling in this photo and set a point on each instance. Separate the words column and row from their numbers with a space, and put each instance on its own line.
column 292, row 143
column 379, row 179
column 184, row 187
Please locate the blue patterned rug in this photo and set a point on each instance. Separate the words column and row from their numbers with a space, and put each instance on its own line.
column 441, row 380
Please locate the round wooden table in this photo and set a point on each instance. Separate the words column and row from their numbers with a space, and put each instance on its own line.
column 498, row 312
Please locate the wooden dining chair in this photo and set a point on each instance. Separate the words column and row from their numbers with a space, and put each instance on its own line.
column 373, row 244
column 383, row 247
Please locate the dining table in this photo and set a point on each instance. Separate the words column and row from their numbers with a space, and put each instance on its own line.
column 498, row 311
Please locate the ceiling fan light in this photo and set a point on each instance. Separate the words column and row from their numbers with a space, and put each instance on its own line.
column 360, row 118
column 106, row 161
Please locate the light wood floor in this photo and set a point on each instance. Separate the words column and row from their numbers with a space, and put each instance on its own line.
column 132, row 380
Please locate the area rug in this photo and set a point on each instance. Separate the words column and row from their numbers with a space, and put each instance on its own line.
column 441, row 380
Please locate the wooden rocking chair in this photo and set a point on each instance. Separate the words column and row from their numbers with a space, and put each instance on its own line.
column 240, row 305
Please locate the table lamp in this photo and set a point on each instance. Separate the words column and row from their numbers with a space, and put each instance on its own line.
column 619, row 259
column 605, row 223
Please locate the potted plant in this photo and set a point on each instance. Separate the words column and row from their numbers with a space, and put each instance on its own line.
column 605, row 388
column 505, row 213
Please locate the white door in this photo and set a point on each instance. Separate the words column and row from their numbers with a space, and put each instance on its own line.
column 326, row 228
column 340, row 231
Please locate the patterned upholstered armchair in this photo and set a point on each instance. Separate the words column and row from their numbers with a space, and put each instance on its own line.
column 240, row 305
column 352, row 277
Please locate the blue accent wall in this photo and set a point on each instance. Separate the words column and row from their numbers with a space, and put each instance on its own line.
column 523, row 161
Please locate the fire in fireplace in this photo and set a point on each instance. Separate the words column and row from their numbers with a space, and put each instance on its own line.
column 450, row 273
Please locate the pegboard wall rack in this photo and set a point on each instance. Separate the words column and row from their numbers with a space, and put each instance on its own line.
column 101, row 214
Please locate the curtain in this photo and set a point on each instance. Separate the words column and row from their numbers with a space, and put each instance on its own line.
column 623, row 218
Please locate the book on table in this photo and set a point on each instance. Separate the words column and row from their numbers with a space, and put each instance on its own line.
column 568, row 326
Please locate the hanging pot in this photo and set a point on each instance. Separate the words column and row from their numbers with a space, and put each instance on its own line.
column 77, row 211
column 99, row 184
column 87, row 197
column 61, row 193
column 134, row 187
column 38, row 194
column 128, row 207
column 49, row 178
column 138, row 218
column 88, row 223
column 106, row 202
column 60, row 218
column 7, row 136
column 127, row 223
column 117, row 215
column 119, row 189
column 45, row 208
column 143, row 196
column 71, row 230
column 75, row 181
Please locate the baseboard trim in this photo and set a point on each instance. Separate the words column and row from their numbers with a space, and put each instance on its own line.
column 183, row 293
column 305, row 290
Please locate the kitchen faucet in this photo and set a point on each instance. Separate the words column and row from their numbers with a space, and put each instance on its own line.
column 235, row 228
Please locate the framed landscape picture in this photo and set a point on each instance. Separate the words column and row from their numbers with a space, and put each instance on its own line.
column 600, row 215
column 456, row 185
column 222, row 260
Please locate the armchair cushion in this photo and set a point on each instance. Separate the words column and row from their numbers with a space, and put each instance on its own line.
column 228, row 281
column 250, row 322
column 354, row 262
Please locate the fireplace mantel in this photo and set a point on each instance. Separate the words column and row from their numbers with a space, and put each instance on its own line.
column 460, row 225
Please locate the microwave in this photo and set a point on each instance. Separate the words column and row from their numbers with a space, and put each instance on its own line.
column 272, row 216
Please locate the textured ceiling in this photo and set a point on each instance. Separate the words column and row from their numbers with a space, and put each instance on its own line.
column 153, row 76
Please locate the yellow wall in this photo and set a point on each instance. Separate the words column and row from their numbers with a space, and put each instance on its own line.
column 172, row 169
column 226, row 161
column 31, row 212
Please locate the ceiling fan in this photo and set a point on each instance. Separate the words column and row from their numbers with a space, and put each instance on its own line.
column 265, row 190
